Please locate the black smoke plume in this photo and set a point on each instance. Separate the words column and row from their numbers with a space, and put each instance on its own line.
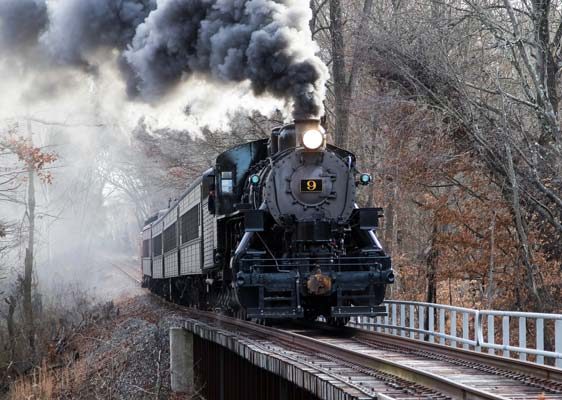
column 21, row 23
column 163, row 42
column 78, row 27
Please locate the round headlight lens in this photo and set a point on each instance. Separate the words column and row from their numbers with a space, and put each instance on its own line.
column 312, row 139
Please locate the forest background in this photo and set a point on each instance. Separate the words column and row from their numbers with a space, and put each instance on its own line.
column 453, row 106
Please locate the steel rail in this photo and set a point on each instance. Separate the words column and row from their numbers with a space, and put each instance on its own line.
column 510, row 364
column 125, row 272
column 428, row 379
column 312, row 366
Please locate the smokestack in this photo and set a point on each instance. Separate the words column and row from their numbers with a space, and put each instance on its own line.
column 305, row 125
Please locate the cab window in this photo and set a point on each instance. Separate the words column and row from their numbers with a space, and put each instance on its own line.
column 227, row 182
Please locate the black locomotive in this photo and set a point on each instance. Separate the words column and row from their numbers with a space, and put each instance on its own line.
column 273, row 231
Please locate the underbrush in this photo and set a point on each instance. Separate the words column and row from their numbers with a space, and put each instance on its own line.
column 59, row 317
column 45, row 383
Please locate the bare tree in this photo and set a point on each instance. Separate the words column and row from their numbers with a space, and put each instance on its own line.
column 339, row 81
column 26, row 284
column 34, row 162
column 489, row 68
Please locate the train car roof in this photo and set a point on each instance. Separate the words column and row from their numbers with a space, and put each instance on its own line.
column 242, row 145
column 188, row 190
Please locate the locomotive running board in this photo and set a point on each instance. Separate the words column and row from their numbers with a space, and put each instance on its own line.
column 275, row 312
column 358, row 311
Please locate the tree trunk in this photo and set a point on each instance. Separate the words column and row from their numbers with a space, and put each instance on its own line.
column 359, row 48
column 11, row 327
column 521, row 229
column 338, row 73
column 389, row 226
column 490, row 289
column 27, row 301
column 432, row 260
column 312, row 22
column 547, row 68
column 390, row 221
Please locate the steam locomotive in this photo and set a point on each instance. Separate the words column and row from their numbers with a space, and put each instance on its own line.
column 272, row 231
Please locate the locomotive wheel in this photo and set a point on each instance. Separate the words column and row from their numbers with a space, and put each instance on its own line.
column 241, row 314
column 338, row 322
column 311, row 315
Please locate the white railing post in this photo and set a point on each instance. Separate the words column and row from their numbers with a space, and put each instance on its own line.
column 505, row 334
column 478, row 338
column 558, row 342
column 465, row 329
column 431, row 324
column 491, row 334
column 453, row 327
column 421, row 322
column 522, row 337
column 539, row 337
column 394, row 320
column 442, row 325
column 402, row 319
column 387, row 319
column 412, row 318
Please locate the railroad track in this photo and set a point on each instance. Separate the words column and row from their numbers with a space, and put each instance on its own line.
column 385, row 367
column 505, row 378
column 545, row 378
column 128, row 272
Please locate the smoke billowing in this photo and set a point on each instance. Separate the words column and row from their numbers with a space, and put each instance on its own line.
column 161, row 43
column 78, row 27
column 21, row 23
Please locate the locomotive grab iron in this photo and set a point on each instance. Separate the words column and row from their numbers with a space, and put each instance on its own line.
column 273, row 231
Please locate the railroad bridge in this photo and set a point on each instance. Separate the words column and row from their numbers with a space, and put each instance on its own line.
column 418, row 351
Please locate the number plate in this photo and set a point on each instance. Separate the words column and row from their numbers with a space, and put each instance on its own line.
column 311, row 185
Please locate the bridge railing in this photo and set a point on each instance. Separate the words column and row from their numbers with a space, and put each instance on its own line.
column 473, row 329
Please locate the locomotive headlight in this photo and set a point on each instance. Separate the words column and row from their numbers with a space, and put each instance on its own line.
column 313, row 139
